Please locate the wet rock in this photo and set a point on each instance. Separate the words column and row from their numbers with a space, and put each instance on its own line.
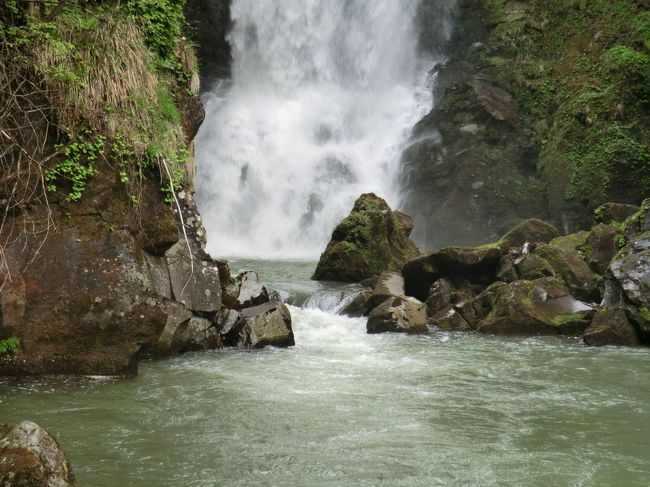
column 540, row 307
column 195, row 334
column 357, row 307
column 388, row 285
column 574, row 241
column 195, row 284
column 567, row 264
column 532, row 267
column 632, row 270
column 602, row 246
column 260, row 326
column 531, row 230
column 245, row 291
column 31, row 457
column 399, row 315
column 419, row 274
column 439, row 296
column 614, row 212
column 476, row 263
column 450, row 319
column 611, row 327
column 366, row 243
column 506, row 271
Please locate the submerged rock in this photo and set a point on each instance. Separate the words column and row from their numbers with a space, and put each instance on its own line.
column 369, row 241
column 399, row 315
column 31, row 457
column 259, row 326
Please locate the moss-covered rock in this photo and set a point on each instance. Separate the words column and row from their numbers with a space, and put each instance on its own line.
column 540, row 307
column 569, row 266
column 614, row 213
column 369, row 241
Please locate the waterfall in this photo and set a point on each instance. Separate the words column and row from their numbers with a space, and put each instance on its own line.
column 323, row 96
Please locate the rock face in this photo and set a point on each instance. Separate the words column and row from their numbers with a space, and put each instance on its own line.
column 371, row 240
column 105, row 291
column 259, row 326
column 398, row 315
column 30, row 457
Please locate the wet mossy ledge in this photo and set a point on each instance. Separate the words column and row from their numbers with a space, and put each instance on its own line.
column 543, row 110
column 532, row 281
column 102, row 259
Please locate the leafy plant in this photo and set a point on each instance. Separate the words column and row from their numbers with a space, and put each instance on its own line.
column 77, row 165
column 8, row 347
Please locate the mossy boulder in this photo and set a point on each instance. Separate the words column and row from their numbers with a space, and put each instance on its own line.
column 532, row 230
column 370, row 240
column 532, row 267
column 540, row 307
column 567, row 264
column 614, row 212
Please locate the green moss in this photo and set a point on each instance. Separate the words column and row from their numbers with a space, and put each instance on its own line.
column 580, row 73
column 645, row 314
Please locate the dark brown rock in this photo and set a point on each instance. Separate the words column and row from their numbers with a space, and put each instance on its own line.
column 614, row 212
column 611, row 327
column 450, row 319
column 357, row 307
column 602, row 246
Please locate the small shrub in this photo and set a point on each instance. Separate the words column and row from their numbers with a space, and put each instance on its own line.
column 8, row 347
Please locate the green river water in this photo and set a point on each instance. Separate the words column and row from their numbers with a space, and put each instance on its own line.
column 343, row 408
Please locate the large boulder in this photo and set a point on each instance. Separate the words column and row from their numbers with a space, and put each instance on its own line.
column 614, row 212
column 398, row 315
column 540, row 307
column 31, row 457
column 259, row 326
column 369, row 241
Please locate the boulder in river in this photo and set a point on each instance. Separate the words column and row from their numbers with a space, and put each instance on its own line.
column 388, row 285
column 245, row 291
column 539, row 307
column 370, row 240
column 399, row 315
column 31, row 457
column 259, row 326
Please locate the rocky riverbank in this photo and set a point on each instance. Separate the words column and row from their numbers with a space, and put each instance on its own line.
column 532, row 281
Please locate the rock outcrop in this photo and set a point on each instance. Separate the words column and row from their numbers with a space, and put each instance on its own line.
column 369, row 241
column 31, row 457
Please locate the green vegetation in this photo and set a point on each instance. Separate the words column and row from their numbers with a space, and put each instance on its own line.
column 78, row 164
column 580, row 72
column 108, row 77
column 8, row 347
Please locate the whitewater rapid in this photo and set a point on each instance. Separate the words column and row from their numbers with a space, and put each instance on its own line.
column 323, row 97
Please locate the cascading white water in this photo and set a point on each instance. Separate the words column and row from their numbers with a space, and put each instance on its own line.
column 324, row 94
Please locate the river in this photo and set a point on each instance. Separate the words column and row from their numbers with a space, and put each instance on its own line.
column 346, row 408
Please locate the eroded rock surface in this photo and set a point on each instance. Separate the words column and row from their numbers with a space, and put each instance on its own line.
column 31, row 457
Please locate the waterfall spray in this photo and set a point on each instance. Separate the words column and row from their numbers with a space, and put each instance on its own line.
column 323, row 96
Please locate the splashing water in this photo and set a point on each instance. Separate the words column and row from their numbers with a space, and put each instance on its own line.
column 324, row 95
